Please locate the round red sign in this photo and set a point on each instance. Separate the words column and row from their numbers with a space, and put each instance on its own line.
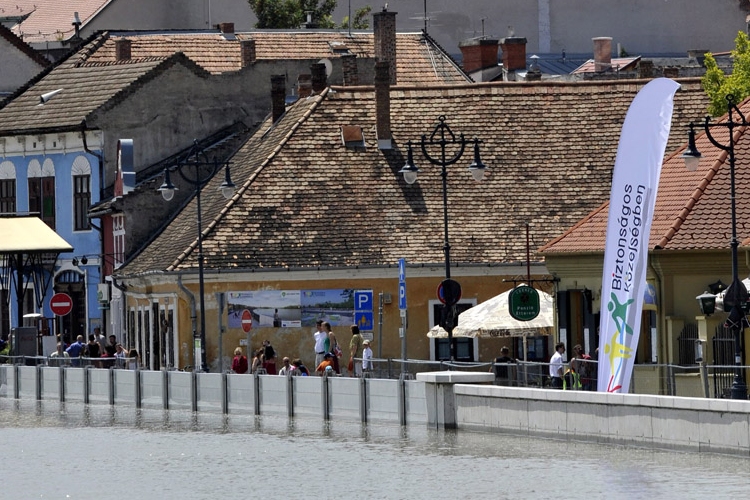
column 247, row 321
column 61, row 304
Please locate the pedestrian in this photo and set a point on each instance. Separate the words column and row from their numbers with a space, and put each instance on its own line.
column 276, row 318
column 120, row 356
column 326, row 364
column 300, row 368
column 239, row 363
column 366, row 357
column 320, row 337
column 556, row 366
column 93, row 351
column 56, row 354
column 286, row 367
column 258, row 360
column 577, row 369
column 75, row 350
column 355, row 352
column 133, row 359
column 502, row 371
column 269, row 358
column 334, row 347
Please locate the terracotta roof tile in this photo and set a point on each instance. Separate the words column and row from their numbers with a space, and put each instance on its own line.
column 47, row 21
column 14, row 40
column 309, row 201
column 692, row 208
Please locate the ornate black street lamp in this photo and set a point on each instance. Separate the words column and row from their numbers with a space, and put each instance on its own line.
column 736, row 295
column 443, row 138
column 196, row 169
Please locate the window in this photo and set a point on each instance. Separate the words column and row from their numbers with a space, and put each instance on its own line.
column 42, row 191
column 81, row 171
column 7, row 188
column 118, row 239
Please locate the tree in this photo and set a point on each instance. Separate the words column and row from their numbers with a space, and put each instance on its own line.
column 360, row 21
column 717, row 85
column 291, row 14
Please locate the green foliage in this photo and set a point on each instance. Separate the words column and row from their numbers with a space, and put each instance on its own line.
column 360, row 21
column 717, row 85
column 291, row 14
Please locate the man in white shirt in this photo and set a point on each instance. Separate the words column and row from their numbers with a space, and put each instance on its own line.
column 320, row 337
column 556, row 366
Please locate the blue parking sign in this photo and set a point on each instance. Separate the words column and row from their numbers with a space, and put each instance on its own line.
column 363, row 300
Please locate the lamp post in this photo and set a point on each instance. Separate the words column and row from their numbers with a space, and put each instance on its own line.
column 736, row 293
column 196, row 169
column 443, row 138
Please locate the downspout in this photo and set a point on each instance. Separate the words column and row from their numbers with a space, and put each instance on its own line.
column 123, row 288
column 193, row 315
column 99, row 158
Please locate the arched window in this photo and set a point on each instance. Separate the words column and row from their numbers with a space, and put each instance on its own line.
column 42, row 190
column 7, row 188
column 81, row 193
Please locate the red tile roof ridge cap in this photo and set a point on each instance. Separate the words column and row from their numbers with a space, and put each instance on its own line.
column 578, row 224
column 314, row 102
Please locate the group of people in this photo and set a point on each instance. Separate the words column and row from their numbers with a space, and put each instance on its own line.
column 328, row 356
column 580, row 373
column 104, row 353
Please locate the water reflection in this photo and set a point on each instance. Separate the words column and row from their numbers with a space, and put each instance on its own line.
column 184, row 455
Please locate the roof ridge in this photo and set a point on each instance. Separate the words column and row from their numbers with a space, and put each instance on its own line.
column 24, row 47
column 90, row 48
column 246, row 185
column 446, row 55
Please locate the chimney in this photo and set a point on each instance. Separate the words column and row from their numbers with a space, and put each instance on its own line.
column 247, row 52
column 278, row 96
column 384, row 27
column 645, row 69
column 671, row 72
column 602, row 53
column 383, row 105
column 226, row 28
column 350, row 69
column 514, row 53
column 122, row 49
column 304, row 86
column 478, row 54
column 319, row 78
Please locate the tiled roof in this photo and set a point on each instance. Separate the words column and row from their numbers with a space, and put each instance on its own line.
column 692, row 209
column 308, row 201
column 49, row 20
column 618, row 64
column 83, row 89
column 32, row 54
column 420, row 61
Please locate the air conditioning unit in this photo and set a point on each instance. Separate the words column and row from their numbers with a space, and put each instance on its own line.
column 102, row 292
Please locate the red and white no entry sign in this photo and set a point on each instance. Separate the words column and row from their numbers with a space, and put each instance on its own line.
column 61, row 304
column 247, row 321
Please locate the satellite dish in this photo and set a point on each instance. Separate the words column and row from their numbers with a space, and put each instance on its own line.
column 329, row 66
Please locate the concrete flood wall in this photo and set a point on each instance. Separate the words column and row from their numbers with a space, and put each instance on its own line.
column 662, row 422
column 365, row 399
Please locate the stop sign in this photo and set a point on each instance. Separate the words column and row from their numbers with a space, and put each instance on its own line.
column 61, row 304
column 247, row 321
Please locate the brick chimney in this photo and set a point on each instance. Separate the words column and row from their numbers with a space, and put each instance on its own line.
column 514, row 53
column 226, row 28
column 602, row 53
column 304, row 86
column 278, row 96
column 384, row 27
column 319, row 78
column 479, row 54
column 350, row 69
column 383, row 105
column 122, row 49
column 247, row 52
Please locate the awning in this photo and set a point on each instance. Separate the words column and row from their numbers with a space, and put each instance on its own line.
column 492, row 319
column 29, row 235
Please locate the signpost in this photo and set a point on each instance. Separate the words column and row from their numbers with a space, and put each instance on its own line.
column 363, row 316
column 402, row 308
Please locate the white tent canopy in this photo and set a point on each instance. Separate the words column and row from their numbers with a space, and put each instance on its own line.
column 492, row 319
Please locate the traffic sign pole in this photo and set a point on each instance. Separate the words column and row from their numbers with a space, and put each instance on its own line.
column 402, row 309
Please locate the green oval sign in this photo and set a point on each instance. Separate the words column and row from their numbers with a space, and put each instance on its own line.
column 523, row 303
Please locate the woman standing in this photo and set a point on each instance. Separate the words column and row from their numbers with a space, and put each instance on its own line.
column 239, row 363
column 334, row 346
column 258, row 360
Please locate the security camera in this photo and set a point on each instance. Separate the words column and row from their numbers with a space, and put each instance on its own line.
column 49, row 95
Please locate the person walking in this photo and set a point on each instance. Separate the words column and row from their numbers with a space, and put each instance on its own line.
column 355, row 352
column 269, row 358
column 320, row 337
column 556, row 366
column 75, row 350
column 502, row 371
column 366, row 357
column 333, row 346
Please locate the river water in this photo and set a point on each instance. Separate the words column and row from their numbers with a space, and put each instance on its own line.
column 74, row 451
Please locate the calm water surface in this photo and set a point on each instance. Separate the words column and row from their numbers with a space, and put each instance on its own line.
column 73, row 451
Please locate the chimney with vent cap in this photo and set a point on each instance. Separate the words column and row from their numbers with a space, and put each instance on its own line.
column 602, row 53
column 384, row 28
column 278, row 96
column 319, row 78
column 383, row 105
column 122, row 49
column 247, row 52
column 514, row 54
column 350, row 69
